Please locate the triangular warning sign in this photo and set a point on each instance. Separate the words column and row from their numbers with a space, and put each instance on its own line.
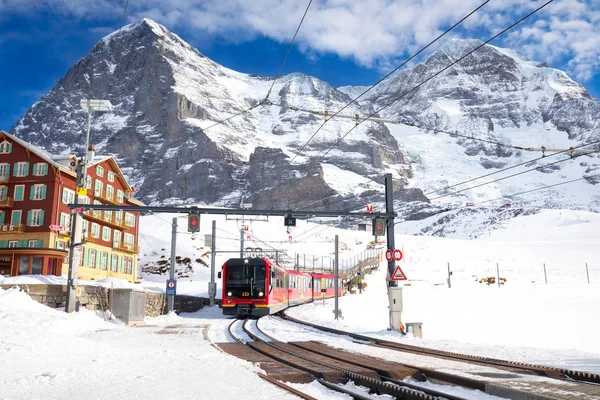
column 398, row 275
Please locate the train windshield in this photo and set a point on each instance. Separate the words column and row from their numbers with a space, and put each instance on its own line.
column 247, row 279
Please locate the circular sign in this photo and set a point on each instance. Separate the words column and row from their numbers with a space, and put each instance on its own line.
column 388, row 255
column 171, row 284
column 397, row 255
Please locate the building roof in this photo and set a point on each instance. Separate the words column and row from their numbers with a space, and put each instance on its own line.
column 61, row 162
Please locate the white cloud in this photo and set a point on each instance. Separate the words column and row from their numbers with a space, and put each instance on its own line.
column 373, row 33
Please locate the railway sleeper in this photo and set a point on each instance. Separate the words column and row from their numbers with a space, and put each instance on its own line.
column 317, row 370
column 382, row 367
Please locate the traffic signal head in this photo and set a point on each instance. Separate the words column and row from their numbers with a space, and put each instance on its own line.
column 193, row 222
column 379, row 226
column 289, row 221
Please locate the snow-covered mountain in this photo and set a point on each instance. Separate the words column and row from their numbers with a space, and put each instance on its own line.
column 169, row 98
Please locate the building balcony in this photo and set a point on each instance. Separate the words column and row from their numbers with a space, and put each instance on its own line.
column 107, row 197
column 102, row 218
column 126, row 247
column 9, row 228
column 4, row 178
column 6, row 202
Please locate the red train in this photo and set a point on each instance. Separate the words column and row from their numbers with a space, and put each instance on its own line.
column 253, row 287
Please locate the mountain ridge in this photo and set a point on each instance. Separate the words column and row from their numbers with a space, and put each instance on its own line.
column 168, row 96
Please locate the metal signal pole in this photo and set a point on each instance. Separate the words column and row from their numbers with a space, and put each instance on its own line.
column 389, row 209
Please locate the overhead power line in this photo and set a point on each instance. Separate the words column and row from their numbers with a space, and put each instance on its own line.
column 389, row 74
column 520, row 193
column 288, row 50
column 123, row 17
column 433, row 76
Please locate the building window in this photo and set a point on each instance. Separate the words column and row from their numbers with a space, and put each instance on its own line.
column 99, row 171
column 92, row 258
column 4, row 171
column 68, row 196
column 32, row 243
column 65, row 221
column 22, row 169
column 108, row 216
column 98, row 188
column 60, row 245
column 115, row 263
column 40, row 169
column 95, row 230
column 97, row 213
column 103, row 259
column 129, row 264
column 5, row 147
column 129, row 219
column 38, row 192
column 35, row 218
column 88, row 182
column 111, row 176
column 120, row 195
column 3, row 192
column 19, row 192
column 106, row 234
column 110, row 192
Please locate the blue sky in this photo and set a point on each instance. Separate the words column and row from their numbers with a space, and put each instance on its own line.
column 343, row 43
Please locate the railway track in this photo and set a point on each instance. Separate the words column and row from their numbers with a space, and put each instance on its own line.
column 333, row 370
column 511, row 366
column 333, row 367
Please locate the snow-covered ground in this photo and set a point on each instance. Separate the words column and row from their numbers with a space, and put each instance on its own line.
column 45, row 353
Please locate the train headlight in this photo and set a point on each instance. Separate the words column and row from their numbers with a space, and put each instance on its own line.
column 229, row 294
column 260, row 294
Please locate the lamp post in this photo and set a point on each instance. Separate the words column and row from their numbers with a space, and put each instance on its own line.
column 77, row 223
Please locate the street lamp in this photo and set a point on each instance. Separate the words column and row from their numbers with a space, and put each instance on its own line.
column 76, row 224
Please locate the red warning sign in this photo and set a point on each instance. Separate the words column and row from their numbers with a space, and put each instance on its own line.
column 398, row 274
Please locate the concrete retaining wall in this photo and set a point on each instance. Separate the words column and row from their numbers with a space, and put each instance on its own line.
column 98, row 298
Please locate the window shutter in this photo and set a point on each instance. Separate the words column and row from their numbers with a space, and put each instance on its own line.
column 86, row 255
column 2, row 216
column 19, row 192
column 40, row 243
column 121, row 263
column 4, row 244
column 32, row 192
column 42, row 218
column 65, row 196
column 26, row 169
column 15, row 168
column 44, row 192
column 29, row 218
column 8, row 169
column 9, row 147
column 22, row 243
column 35, row 169
column 45, row 172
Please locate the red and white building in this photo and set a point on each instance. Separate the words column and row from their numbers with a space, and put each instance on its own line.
column 35, row 188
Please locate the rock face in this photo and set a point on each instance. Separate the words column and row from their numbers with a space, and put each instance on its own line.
column 176, row 133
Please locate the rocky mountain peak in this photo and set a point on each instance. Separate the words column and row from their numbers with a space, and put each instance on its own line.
column 169, row 98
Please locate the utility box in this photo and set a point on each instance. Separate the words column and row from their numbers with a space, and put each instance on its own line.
column 416, row 328
column 129, row 305
column 395, row 299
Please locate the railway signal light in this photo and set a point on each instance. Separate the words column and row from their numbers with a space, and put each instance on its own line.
column 379, row 226
column 193, row 222
column 289, row 221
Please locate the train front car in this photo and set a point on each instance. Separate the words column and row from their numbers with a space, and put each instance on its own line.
column 248, row 287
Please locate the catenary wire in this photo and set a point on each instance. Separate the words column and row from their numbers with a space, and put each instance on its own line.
column 432, row 76
column 518, row 194
column 389, row 74
column 288, row 50
column 123, row 17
